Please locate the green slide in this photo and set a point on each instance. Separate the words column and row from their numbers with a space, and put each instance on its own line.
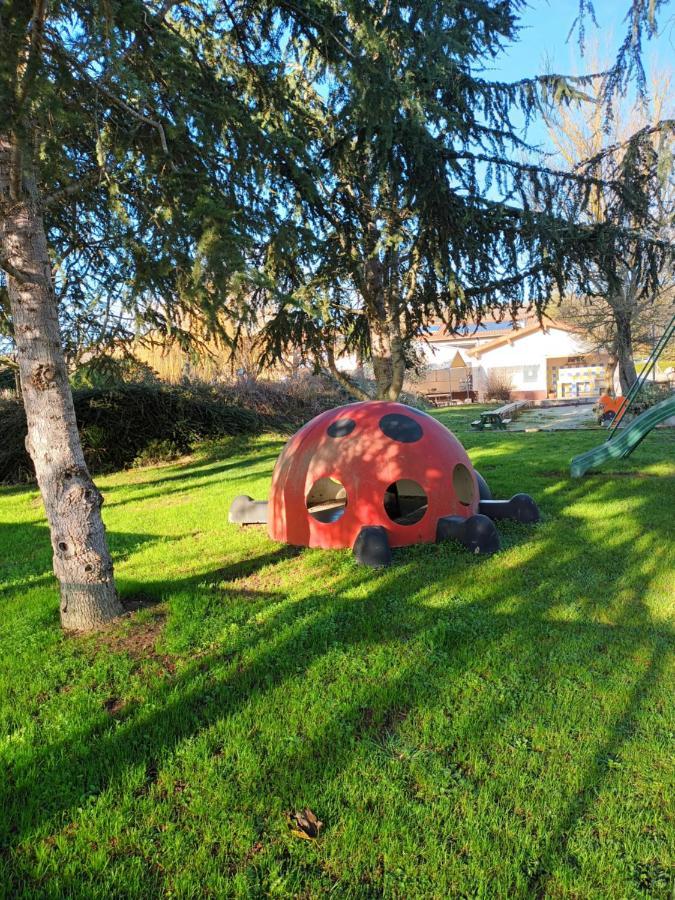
column 625, row 440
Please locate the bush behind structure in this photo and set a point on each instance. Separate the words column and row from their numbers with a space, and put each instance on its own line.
column 129, row 423
column 143, row 423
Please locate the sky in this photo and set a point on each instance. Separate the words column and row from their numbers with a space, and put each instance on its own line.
column 543, row 46
column 545, row 27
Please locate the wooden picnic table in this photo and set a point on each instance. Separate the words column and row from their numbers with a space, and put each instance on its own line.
column 498, row 418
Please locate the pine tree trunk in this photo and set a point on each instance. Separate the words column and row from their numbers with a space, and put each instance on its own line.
column 388, row 361
column 82, row 562
column 398, row 367
column 624, row 345
column 380, row 345
column 386, row 345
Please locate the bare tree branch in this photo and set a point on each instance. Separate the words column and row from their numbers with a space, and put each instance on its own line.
column 18, row 274
column 112, row 96
column 343, row 379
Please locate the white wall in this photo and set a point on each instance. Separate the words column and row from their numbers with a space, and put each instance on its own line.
column 439, row 355
column 532, row 351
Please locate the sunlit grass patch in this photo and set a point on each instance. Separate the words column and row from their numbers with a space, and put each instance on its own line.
column 462, row 726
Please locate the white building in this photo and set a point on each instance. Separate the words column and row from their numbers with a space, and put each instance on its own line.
column 537, row 361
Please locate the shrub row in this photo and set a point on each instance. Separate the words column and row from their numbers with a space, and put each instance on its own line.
column 146, row 422
column 284, row 405
column 130, row 423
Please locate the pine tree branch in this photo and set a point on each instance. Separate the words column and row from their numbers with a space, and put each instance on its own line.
column 502, row 283
column 36, row 40
column 157, row 19
column 545, row 81
column 663, row 125
column 98, row 85
column 531, row 168
column 551, row 221
column 322, row 26
column 73, row 188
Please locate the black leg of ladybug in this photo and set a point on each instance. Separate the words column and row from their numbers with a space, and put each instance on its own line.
column 521, row 508
column 247, row 511
column 477, row 533
column 371, row 547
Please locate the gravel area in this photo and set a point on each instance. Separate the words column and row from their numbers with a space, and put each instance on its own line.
column 555, row 418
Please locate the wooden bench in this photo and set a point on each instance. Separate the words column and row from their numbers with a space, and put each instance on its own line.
column 499, row 418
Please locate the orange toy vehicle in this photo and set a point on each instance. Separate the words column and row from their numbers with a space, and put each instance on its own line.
column 608, row 408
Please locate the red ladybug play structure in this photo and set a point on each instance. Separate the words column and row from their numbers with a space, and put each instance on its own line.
column 376, row 475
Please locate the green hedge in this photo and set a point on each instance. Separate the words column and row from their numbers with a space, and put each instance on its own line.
column 127, row 424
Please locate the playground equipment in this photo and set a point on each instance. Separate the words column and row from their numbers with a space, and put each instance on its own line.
column 627, row 439
column 611, row 409
column 377, row 475
column 621, row 444
column 608, row 408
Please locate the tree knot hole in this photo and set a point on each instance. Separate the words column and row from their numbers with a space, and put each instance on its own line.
column 43, row 376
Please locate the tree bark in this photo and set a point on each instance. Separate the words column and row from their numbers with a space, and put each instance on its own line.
column 82, row 561
column 380, row 348
column 611, row 369
column 624, row 347
column 387, row 354
column 388, row 360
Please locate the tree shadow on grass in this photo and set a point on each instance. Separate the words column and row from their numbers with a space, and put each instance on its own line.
column 52, row 786
column 516, row 621
column 27, row 551
column 186, row 484
column 193, row 473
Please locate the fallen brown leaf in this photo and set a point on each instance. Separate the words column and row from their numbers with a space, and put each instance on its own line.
column 304, row 824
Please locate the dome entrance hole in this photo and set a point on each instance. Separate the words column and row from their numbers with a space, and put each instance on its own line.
column 327, row 500
column 405, row 502
column 462, row 483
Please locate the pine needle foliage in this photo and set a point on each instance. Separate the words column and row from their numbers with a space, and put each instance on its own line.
column 343, row 170
column 426, row 201
column 155, row 130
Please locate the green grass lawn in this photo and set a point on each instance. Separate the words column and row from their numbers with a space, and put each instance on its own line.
column 464, row 727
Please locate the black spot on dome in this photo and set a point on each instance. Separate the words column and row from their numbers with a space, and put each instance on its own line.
column 401, row 428
column 341, row 427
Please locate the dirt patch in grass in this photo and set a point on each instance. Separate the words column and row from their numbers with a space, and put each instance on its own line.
column 379, row 725
column 113, row 706
column 133, row 602
column 259, row 583
column 136, row 637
